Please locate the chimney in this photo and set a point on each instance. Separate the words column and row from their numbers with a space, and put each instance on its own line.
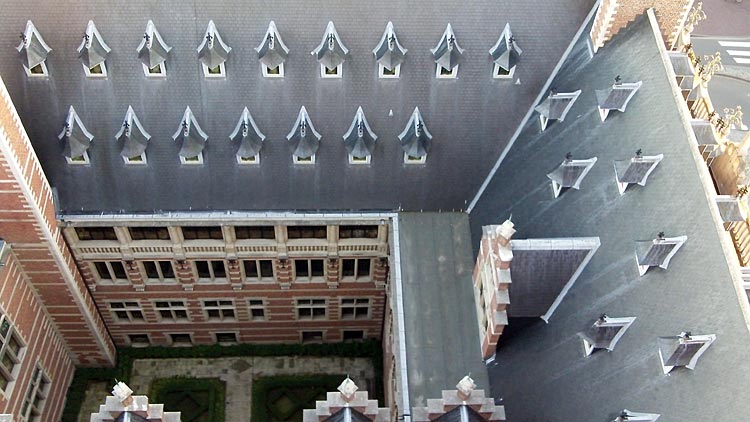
column 465, row 387
column 123, row 393
column 614, row 15
column 504, row 232
column 347, row 389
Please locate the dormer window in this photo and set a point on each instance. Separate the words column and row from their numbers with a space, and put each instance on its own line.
column 134, row 139
column 359, row 140
column 569, row 174
column 415, row 139
column 556, row 106
column 272, row 53
column 76, row 138
column 616, row 97
column 657, row 252
column 505, row 55
column 447, row 54
column 153, row 52
column 193, row 139
column 683, row 350
column 635, row 170
column 33, row 52
column 331, row 54
column 629, row 416
column 249, row 137
column 93, row 52
column 213, row 53
column 604, row 333
column 389, row 54
column 733, row 208
column 303, row 139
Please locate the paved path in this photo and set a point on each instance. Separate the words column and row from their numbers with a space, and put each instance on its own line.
column 237, row 373
column 734, row 51
column 726, row 18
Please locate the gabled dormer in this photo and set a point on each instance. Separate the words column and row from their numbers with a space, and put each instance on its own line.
column 76, row 138
column 415, row 139
column 389, row 54
column 657, row 252
column 213, row 53
column 93, row 52
column 331, row 53
column 33, row 51
column 153, row 52
column 733, row 208
column 556, row 106
column 134, row 139
column 272, row 53
column 505, row 55
column 635, row 170
column 249, row 138
column 604, row 333
column 447, row 54
column 303, row 139
column 359, row 140
column 569, row 174
column 192, row 139
column 683, row 350
column 629, row 416
column 616, row 97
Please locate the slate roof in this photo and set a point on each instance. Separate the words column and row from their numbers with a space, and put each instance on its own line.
column 540, row 371
column 460, row 112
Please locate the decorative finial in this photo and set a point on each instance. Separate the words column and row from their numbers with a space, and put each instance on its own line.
column 302, row 128
column 686, row 335
column 733, row 116
column 639, row 153
column 331, row 40
column 712, row 66
column 418, row 129
column 602, row 318
column 271, row 41
column 694, row 17
column 451, row 41
column 742, row 191
column 617, row 80
column 360, row 129
column 23, row 37
column 568, row 157
column 660, row 236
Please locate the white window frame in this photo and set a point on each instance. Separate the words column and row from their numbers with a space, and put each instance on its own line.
column 260, row 278
column 422, row 159
column 85, row 160
column 355, row 303
column 184, row 160
column 136, row 343
column 222, row 72
column 497, row 68
column 10, row 374
column 161, row 279
column 356, row 277
column 212, row 278
column 452, row 75
column 113, row 276
column 304, row 161
column 383, row 75
column 252, row 304
column 225, row 307
column 87, row 71
column 264, row 70
column 129, row 307
column 310, row 278
column 38, row 388
column 255, row 160
column 338, row 75
column 162, row 70
column 180, row 344
column 141, row 162
column 173, row 305
column 311, row 303
column 357, row 161
column 44, row 74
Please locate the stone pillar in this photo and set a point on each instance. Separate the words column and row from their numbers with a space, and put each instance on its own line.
column 332, row 272
column 380, row 272
column 284, row 273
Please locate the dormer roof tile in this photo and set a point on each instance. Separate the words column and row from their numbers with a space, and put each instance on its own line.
column 132, row 135
column 75, row 135
column 415, row 138
column 506, row 53
column 635, row 170
column 331, row 52
column 303, row 139
column 93, row 50
column 272, row 51
column 683, row 350
column 247, row 134
column 616, row 97
column 212, row 52
column 359, row 140
column 33, row 50
column 556, row 106
column 657, row 252
column 152, row 51
column 389, row 51
column 191, row 135
column 447, row 52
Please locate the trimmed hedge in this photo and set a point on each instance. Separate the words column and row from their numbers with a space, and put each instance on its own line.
column 125, row 356
column 262, row 386
column 215, row 388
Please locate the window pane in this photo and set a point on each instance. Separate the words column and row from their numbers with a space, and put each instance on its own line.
column 150, row 268
column 167, row 270
column 202, row 267
column 363, row 268
column 358, row 232
column 300, row 268
column 137, row 314
column 319, row 312
column 317, row 267
column 257, row 313
column 209, row 232
column 96, row 233
column 103, row 271
column 5, row 327
column 181, row 314
column 347, row 267
column 219, row 270
column 266, row 268
column 306, row 232
column 254, row 232
column 251, row 269
column 149, row 233
column 118, row 269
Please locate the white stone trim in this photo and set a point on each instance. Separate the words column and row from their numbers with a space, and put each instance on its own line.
column 338, row 75
column 452, row 75
column 264, row 71
column 383, row 75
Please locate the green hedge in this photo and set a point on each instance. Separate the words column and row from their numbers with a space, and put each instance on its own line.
column 125, row 356
column 214, row 387
column 263, row 385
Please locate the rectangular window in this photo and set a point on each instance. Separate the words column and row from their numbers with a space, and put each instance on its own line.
column 39, row 70
column 311, row 309
column 352, row 335
column 96, row 233
column 181, row 339
column 159, row 271
column 11, row 348
column 254, row 232
column 336, row 72
column 500, row 72
column 158, row 71
column 110, row 271
column 309, row 270
column 358, row 232
column 36, row 397
column 174, row 310
column 258, row 270
column 139, row 340
column 98, row 71
column 356, row 269
column 410, row 159
column 198, row 159
column 211, row 271
column 136, row 159
column 219, row 310
column 444, row 73
column 312, row 336
column 308, row 160
column 272, row 72
column 214, row 72
column 385, row 73
column 251, row 159
column 359, row 160
column 127, row 311
column 306, row 232
column 257, row 309
column 201, row 233
column 79, row 159
column 226, row 338
column 149, row 233
column 355, row 308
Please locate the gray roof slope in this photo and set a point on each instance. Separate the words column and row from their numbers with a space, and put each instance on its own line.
column 460, row 112
column 442, row 336
column 541, row 372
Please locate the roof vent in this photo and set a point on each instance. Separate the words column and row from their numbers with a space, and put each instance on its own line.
column 635, row 170
column 657, row 252
column 77, row 139
column 415, row 139
column 33, row 49
column 134, row 138
column 331, row 52
column 93, row 50
column 628, row 416
column 569, row 174
column 359, row 140
column 152, row 51
column 389, row 53
column 604, row 333
column 192, row 136
column 348, row 388
column 616, row 97
column 303, row 139
column 506, row 53
column 447, row 52
column 683, row 350
column 272, row 51
column 213, row 52
column 248, row 135
column 556, row 106
column 707, row 138
column 733, row 208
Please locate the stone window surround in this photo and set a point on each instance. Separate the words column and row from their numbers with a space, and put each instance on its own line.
column 127, row 311
column 257, row 306
column 173, row 310
column 309, row 309
column 224, row 310
column 351, row 308
column 8, row 375
column 36, row 395
column 159, row 270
